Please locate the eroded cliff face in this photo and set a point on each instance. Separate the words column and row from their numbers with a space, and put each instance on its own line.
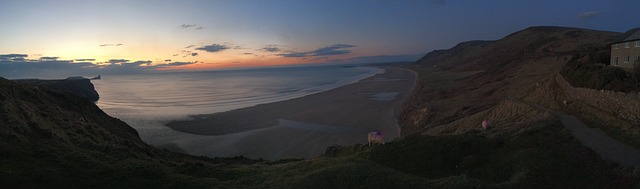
column 80, row 87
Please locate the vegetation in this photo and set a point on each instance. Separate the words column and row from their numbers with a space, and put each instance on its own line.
column 636, row 71
column 542, row 155
column 585, row 71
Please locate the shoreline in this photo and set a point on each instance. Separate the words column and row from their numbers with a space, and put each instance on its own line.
column 305, row 126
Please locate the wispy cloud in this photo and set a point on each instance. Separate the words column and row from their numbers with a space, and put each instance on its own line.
column 271, row 48
column 213, row 48
column 194, row 54
column 335, row 49
column 85, row 60
column 189, row 46
column 13, row 57
column 117, row 61
column 174, row 64
column 185, row 26
column 589, row 14
column 109, row 45
column 192, row 26
column 49, row 58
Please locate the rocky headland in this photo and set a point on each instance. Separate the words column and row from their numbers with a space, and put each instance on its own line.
column 78, row 86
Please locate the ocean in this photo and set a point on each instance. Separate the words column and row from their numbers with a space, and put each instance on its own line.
column 148, row 101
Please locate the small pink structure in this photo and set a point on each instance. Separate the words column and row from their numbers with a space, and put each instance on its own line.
column 376, row 137
column 485, row 124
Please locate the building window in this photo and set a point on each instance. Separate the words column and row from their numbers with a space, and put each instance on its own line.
column 636, row 59
column 615, row 46
column 626, row 45
column 637, row 43
column 626, row 59
column 615, row 61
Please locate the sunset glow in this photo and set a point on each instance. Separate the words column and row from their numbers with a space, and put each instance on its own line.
column 193, row 35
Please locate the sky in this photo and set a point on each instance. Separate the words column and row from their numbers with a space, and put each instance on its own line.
column 75, row 37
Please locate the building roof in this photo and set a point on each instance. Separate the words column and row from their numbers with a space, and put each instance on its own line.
column 634, row 36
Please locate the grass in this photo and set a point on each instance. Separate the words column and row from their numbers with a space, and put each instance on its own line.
column 542, row 156
column 546, row 156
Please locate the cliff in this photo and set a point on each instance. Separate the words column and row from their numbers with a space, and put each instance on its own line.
column 81, row 87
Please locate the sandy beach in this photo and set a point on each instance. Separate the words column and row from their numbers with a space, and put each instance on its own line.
column 304, row 127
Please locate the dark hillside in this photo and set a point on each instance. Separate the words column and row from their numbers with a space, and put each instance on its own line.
column 494, row 70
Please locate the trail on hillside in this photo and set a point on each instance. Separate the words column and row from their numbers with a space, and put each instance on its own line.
column 608, row 148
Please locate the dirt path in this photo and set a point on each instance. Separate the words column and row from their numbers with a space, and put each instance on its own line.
column 608, row 148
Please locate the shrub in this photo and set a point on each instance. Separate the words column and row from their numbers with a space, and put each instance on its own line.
column 584, row 72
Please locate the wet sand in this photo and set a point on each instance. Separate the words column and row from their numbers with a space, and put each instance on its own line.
column 304, row 127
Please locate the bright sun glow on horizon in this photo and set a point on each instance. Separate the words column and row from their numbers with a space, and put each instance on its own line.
column 146, row 35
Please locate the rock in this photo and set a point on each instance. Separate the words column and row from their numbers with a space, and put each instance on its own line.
column 78, row 86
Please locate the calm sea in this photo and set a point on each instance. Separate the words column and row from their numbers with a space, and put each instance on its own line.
column 148, row 101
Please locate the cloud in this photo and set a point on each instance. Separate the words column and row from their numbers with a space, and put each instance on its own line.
column 335, row 49
column 189, row 46
column 117, row 61
column 140, row 62
column 213, row 48
column 13, row 57
column 174, row 64
column 109, row 45
column 271, row 48
column 292, row 54
column 179, row 63
column 589, row 14
column 15, row 66
column 185, row 26
column 85, row 60
column 198, row 28
column 49, row 58
column 194, row 54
